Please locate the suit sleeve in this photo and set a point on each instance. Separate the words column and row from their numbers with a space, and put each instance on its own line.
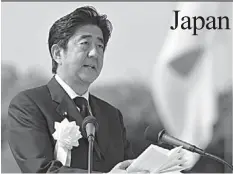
column 128, row 152
column 29, row 138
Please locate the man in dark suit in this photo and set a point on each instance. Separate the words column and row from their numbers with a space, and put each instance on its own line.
column 77, row 43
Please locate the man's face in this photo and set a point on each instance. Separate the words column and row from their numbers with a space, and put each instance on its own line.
column 83, row 58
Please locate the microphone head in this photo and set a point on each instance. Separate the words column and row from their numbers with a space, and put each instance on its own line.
column 92, row 120
column 160, row 135
column 150, row 134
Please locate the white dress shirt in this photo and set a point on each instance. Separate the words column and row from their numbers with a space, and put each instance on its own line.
column 71, row 92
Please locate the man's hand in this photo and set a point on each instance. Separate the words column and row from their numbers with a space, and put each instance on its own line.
column 122, row 166
column 190, row 159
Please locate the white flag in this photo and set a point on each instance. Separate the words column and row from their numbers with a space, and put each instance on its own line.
column 183, row 85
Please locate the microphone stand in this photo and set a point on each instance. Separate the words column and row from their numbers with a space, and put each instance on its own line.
column 90, row 153
column 89, row 127
column 216, row 158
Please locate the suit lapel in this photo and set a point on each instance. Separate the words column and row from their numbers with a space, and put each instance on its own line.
column 102, row 119
column 66, row 107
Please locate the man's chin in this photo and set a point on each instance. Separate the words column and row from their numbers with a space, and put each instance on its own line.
column 88, row 79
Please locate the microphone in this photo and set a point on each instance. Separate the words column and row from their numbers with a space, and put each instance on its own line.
column 163, row 137
column 89, row 126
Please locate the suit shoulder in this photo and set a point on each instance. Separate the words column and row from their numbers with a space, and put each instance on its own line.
column 37, row 90
column 30, row 94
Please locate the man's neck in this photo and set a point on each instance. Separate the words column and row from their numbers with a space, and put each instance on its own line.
column 78, row 87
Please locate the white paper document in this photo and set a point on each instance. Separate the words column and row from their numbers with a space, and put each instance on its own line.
column 159, row 160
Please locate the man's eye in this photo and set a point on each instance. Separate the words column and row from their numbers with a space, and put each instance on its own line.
column 101, row 46
column 84, row 43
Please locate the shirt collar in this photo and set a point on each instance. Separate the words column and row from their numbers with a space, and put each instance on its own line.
column 69, row 90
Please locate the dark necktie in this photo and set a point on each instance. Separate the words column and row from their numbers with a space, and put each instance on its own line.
column 82, row 104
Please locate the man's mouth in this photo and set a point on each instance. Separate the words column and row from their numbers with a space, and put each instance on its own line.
column 89, row 66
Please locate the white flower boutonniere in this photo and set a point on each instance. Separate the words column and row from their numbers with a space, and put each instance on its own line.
column 67, row 135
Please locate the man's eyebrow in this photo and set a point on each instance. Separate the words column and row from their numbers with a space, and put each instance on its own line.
column 101, row 39
column 89, row 36
column 84, row 36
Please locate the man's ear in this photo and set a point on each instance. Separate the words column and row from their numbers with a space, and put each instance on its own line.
column 56, row 52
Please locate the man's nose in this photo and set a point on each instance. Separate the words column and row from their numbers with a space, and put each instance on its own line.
column 93, row 53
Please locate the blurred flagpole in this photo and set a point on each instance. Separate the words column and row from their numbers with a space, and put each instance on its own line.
column 183, row 86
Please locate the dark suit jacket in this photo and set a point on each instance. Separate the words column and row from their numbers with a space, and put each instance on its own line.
column 32, row 115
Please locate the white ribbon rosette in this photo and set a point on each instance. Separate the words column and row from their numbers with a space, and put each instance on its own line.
column 67, row 135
